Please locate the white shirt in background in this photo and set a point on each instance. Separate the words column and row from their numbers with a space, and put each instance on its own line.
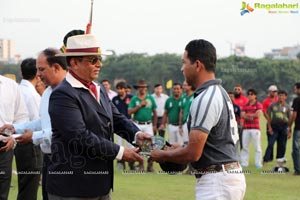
column 31, row 97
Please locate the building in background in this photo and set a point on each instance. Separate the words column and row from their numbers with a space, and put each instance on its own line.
column 284, row 53
column 7, row 51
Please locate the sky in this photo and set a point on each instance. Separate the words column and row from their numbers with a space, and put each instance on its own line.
column 149, row 26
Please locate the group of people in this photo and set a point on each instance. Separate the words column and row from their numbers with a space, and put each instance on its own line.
column 280, row 117
column 74, row 121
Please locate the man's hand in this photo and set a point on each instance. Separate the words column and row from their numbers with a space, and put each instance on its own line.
column 131, row 155
column 7, row 126
column 140, row 137
column 10, row 143
column 25, row 138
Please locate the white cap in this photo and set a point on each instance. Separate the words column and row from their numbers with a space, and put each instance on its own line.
column 273, row 88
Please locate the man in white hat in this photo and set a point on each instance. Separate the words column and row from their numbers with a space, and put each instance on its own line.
column 83, row 122
column 271, row 98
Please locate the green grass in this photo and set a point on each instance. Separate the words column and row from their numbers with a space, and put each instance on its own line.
column 152, row 186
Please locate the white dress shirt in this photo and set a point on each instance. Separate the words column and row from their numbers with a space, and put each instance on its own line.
column 160, row 102
column 12, row 105
column 31, row 97
column 41, row 127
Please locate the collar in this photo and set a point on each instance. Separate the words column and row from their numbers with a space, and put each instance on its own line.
column 206, row 85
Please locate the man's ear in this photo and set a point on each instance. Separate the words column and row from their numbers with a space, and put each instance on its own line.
column 73, row 62
column 199, row 65
column 57, row 67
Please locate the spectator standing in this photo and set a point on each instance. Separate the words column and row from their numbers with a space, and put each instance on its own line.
column 12, row 110
column 278, row 115
column 28, row 156
column 185, row 104
column 107, row 85
column 239, row 98
column 296, row 133
column 160, row 100
column 272, row 98
column 251, row 113
column 143, row 108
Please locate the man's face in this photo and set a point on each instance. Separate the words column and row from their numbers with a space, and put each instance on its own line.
column 106, row 85
column 142, row 90
column 282, row 97
column 158, row 90
column 121, row 91
column 273, row 93
column 44, row 70
column 88, row 67
column 177, row 91
column 237, row 90
column 251, row 96
column 188, row 69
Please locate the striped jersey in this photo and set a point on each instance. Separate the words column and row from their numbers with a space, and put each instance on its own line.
column 212, row 112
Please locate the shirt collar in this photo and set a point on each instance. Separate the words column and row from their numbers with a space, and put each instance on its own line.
column 206, row 85
column 74, row 82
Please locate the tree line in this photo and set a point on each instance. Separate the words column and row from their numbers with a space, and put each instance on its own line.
column 159, row 68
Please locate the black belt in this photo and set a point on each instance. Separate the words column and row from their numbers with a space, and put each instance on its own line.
column 216, row 168
column 143, row 123
column 175, row 124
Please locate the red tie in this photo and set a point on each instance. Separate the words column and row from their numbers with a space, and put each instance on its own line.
column 93, row 88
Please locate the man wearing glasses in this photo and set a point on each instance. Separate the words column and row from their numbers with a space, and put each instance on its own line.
column 251, row 113
column 83, row 121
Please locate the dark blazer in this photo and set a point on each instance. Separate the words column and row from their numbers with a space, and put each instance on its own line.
column 82, row 142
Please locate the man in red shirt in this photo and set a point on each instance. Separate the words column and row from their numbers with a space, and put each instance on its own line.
column 239, row 98
column 272, row 98
column 251, row 113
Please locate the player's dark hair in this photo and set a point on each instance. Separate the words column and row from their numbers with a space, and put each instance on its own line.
column 203, row 51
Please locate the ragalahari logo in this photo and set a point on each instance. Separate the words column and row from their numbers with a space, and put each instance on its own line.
column 246, row 8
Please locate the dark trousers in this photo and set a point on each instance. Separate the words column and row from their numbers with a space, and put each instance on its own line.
column 5, row 173
column 46, row 163
column 29, row 164
column 270, row 157
column 279, row 135
column 159, row 122
column 54, row 197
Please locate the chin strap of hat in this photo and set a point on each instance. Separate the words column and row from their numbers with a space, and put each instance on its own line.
column 89, row 25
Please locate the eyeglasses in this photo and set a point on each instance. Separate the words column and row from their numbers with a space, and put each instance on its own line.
column 237, row 89
column 93, row 60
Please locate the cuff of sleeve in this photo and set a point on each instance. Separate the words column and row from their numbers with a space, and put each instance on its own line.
column 120, row 154
column 135, row 137
column 18, row 129
column 37, row 137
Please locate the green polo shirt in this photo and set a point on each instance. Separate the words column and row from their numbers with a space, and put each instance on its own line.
column 144, row 114
column 185, row 104
column 172, row 107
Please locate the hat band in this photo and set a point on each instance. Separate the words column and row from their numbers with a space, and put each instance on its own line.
column 85, row 50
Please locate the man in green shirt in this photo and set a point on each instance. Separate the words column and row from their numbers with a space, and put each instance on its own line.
column 142, row 107
column 185, row 105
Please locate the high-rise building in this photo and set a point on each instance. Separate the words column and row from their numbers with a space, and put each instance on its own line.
column 6, row 50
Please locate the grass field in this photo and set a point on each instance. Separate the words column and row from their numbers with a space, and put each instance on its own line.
column 261, row 183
